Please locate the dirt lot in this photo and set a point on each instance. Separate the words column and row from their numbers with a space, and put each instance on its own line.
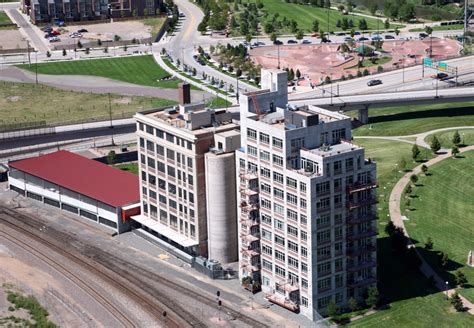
column 11, row 39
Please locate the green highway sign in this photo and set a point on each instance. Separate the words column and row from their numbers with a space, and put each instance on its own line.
column 442, row 66
column 427, row 61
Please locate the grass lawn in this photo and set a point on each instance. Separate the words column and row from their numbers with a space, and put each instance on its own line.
column 129, row 167
column 4, row 20
column 141, row 70
column 155, row 23
column 305, row 15
column 440, row 28
column 413, row 301
column 442, row 208
column 445, row 138
column 23, row 103
column 378, row 61
column 392, row 121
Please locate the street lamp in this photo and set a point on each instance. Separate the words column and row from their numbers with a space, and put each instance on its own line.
column 446, row 290
column 331, row 87
column 278, row 48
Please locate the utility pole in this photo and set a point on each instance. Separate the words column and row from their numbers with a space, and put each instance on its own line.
column 36, row 67
column 331, row 87
column 437, row 80
column 328, row 26
column 28, row 47
column 403, row 72
column 110, row 118
column 278, row 47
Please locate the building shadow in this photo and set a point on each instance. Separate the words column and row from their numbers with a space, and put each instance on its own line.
column 448, row 112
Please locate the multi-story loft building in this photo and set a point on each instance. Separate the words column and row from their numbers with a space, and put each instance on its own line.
column 307, row 222
column 83, row 10
column 187, row 170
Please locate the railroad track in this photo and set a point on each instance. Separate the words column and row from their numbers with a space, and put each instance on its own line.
column 137, row 275
column 149, row 303
column 79, row 282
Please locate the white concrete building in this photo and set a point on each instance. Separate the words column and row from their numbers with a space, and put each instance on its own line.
column 307, row 229
column 187, row 169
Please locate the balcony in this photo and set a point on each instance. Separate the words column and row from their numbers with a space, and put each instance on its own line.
column 249, row 237
column 248, row 191
column 248, row 175
column 353, row 283
column 283, row 302
column 361, row 266
column 251, row 252
column 361, row 186
column 356, row 219
column 249, row 222
column 250, row 206
column 361, row 202
column 356, row 251
column 248, row 267
column 361, row 234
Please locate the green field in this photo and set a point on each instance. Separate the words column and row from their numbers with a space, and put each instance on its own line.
column 393, row 121
column 413, row 301
column 4, row 19
column 440, row 28
column 129, row 167
column 26, row 103
column 305, row 15
column 443, row 210
column 445, row 138
column 141, row 70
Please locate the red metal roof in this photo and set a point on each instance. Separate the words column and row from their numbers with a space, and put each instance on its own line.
column 85, row 176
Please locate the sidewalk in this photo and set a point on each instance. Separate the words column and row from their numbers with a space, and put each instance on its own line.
column 396, row 217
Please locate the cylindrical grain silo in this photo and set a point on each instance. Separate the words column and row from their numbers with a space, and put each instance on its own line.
column 221, row 207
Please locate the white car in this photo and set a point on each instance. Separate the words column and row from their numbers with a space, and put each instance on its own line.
column 75, row 35
column 54, row 39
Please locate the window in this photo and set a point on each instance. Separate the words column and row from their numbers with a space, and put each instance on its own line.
column 277, row 160
column 278, row 224
column 242, row 163
column 304, row 283
column 278, row 193
column 293, row 278
column 152, row 194
column 292, row 215
column 337, row 184
column 267, row 249
column 302, row 203
column 190, row 179
column 163, row 217
column 293, row 262
column 304, row 235
column 266, row 188
column 280, row 256
column 324, row 267
column 169, row 137
column 304, row 301
column 265, row 172
column 323, row 203
column 252, row 151
column 277, row 143
column 152, row 179
column 338, row 264
column 170, row 154
column 304, row 251
column 303, row 219
column 162, row 199
column 150, row 145
column 304, row 267
column 279, row 209
column 189, row 145
column 292, row 199
column 144, row 191
column 266, row 219
column 149, row 129
column 337, row 167
column 292, row 246
column 324, row 284
column 162, row 184
column 280, row 271
column 349, row 164
column 293, row 231
column 338, row 247
column 279, row 240
column 339, row 280
column 142, row 143
column 339, row 134
column 338, row 232
column 266, row 234
column 151, row 162
column 292, row 183
column 302, row 187
column 160, row 150
column 190, row 163
column 171, row 171
column 277, row 177
column 142, row 159
column 323, row 219
column 264, row 138
column 322, row 188
column 323, row 236
column 323, row 252
column 296, row 144
column 173, row 204
column 266, row 203
column 251, row 134
column 267, row 265
column 140, row 126
column 323, row 302
column 264, row 155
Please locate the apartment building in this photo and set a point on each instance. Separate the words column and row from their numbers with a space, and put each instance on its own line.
column 306, row 194
column 83, row 10
column 187, row 171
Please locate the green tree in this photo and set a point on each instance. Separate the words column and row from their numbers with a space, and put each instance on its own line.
column 145, row 12
column 429, row 243
column 87, row 51
column 344, row 24
column 424, row 169
column 64, row 52
column 134, row 13
column 444, row 259
column 428, row 30
column 299, row 35
column 363, row 24
column 332, row 309
column 248, row 38
column 460, row 278
column 372, row 297
column 291, row 75
column 111, row 158
column 415, row 152
column 397, row 31
column 48, row 54
column 273, row 37
column 408, row 190
column 202, row 27
column 456, row 138
column 79, row 44
column 387, row 24
column 435, row 145
column 379, row 69
column 402, row 164
column 315, row 27
column 456, row 301
column 455, row 151
column 352, row 302
column 414, row 178
column 99, row 42
column 373, row 7
column 407, row 12
column 298, row 74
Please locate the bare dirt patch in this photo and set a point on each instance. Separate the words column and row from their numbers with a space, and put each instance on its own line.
column 11, row 39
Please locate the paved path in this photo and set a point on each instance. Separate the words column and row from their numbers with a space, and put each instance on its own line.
column 396, row 217
column 94, row 84
column 27, row 29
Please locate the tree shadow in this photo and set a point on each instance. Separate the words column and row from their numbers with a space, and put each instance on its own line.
column 448, row 112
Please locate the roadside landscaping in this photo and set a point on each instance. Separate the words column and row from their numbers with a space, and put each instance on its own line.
column 141, row 70
column 445, row 138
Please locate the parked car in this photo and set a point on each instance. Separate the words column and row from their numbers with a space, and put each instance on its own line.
column 348, row 38
column 441, row 76
column 377, row 38
column 54, row 39
column 306, row 42
column 389, row 37
column 277, row 42
column 75, row 35
column 48, row 35
column 291, row 42
column 56, row 32
column 47, row 28
column 325, row 40
column 374, row 82
column 362, row 38
column 356, row 33
column 423, row 35
column 182, row 15
column 340, row 34
column 82, row 30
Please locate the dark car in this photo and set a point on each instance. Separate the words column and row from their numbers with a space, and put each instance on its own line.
column 291, row 42
column 277, row 42
column 82, row 30
column 423, row 35
column 441, row 76
column 363, row 38
column 389, row 37
column 356, row 33
column 325, row 40
column 374, row 82
column 340, row 34
column 306, row 42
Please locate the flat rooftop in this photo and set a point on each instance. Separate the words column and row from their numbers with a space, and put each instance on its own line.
column 332, row 150
column 85, row 176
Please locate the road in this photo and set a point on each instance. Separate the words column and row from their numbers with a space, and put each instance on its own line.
column 27, row 29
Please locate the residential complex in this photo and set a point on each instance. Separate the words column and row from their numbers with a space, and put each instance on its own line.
column 307, row 222
column 187, row 170
column 83, row 10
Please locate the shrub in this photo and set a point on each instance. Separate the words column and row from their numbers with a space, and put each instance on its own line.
column 429, row 243
column 414, row 178
column 424, row 169
column 435, row 145
column 460, row 278
column 379, row 69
